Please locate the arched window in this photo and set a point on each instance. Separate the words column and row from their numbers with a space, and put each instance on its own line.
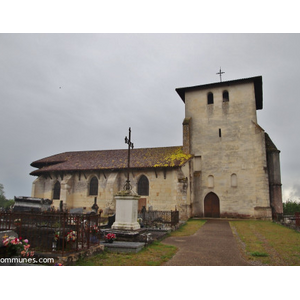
column 56, row 190
column 143, row 186
column 210, row 181
column 210, row 98
column 225, row 96
column 233, row 180
column 94, row 186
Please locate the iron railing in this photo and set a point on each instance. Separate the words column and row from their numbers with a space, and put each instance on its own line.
column 158, row 219
column 53, row 231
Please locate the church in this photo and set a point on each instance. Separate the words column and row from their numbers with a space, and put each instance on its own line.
column 227, row 165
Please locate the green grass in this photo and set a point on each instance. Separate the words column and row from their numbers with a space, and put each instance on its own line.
column 154, row 254
column 264, row 242
column 189, row 228
column 269, row 243
column 259, row 254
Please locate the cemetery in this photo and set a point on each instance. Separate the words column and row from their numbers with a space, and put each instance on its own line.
column 78, row 233
column 72, row 234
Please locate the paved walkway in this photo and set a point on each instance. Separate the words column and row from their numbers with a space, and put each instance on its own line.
column 212, row 245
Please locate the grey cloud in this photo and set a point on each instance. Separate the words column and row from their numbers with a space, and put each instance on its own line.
column 64, row 92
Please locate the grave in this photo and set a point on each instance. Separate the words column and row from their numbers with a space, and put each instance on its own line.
column 31, row 204
column 126, row 226
column 122, row 246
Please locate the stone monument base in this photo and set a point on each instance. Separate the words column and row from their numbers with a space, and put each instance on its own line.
column 126, row 226
column 125, row 235
column 126, row 211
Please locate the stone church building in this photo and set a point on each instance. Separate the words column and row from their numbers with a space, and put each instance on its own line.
column 227, row 165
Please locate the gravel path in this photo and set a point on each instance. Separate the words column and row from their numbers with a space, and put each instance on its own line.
column 212, row 245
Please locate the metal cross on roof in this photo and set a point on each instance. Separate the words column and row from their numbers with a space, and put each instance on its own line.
column 220, row 73
column 130, row 146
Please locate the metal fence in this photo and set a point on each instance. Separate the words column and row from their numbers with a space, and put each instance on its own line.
column 293, row 220
column 158, row 219
column 53, row 231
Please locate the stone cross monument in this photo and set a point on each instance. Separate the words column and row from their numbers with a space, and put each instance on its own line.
column 127, row 201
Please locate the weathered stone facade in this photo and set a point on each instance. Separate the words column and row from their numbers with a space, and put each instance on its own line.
column 167, row 189
column 228, row 166
column 231, row 149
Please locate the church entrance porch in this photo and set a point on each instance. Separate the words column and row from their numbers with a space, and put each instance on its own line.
column 212, row 206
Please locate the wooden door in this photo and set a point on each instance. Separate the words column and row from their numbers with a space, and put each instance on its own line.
column 212, row 206
column 142, row 203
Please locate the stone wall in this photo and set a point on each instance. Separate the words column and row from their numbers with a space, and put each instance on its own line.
column 273, row 160
column 168, row 188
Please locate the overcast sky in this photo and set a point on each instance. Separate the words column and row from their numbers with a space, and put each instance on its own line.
column 69, row 92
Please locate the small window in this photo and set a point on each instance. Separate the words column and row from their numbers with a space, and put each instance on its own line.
column 210, row 181
column 94, row 186
column 225, row 96
column 233, row 180
column 210, row 98
column 56, row 190
column 143, row 186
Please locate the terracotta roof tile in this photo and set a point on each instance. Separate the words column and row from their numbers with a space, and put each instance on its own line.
column 111, row 159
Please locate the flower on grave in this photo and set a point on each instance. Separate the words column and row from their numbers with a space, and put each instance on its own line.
column 17, row 246
column 71, row 236
column 17, row 222
column 140, row 220
column 56, row 236
column 27, row 253
column 94, row 229
column 110, row 236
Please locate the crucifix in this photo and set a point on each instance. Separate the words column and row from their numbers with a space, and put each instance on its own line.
column 220, row 73
column 130, row 146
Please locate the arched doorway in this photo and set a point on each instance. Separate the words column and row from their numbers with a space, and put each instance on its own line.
column 212, row 206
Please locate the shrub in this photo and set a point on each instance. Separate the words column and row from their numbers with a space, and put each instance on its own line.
column 290, row 207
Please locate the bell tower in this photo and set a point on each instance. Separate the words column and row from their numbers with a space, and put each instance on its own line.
column 220, row 129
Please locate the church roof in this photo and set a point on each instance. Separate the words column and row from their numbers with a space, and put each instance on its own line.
column 257, row 87
column 165, row 157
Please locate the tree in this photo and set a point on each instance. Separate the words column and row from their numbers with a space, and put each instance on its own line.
column 2, row 196
column 3, row 201
column 290, row 207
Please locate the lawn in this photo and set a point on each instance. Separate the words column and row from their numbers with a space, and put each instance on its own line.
column 261, row 242
column 154, row 254
column 267, row 243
